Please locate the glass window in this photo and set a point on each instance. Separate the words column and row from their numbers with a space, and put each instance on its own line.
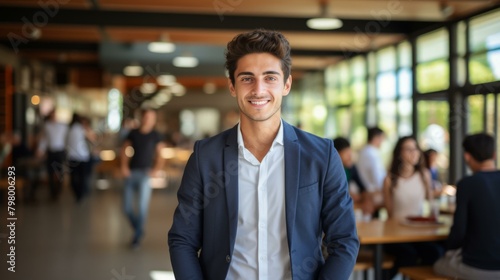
column 387, row 122
column 405, row 117
column 386, row 59
column 358, row 67
column 433, row 46
column 358, row 133
column 386, row 85
column 484, row 32
column 433, row 76
column 475, row 113
column 404, row 82
column 490, row 113
column 343, row 121
column 404, row 54
column 359, row 91
column 433, row 132
column 485, row 67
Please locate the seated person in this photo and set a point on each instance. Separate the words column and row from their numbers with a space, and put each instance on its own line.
column 474, row 243
column 406, row 187
column 430, row 156
column 356, row 187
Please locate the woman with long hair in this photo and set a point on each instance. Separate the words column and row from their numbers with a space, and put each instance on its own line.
column 406, row 187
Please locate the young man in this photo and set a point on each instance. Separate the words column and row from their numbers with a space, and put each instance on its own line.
column 371, row 170
column 255, row 200
column 356, row 187
column 138, row 169
column 473, row 244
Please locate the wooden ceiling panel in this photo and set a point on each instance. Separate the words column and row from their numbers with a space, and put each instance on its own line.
column 354, row 9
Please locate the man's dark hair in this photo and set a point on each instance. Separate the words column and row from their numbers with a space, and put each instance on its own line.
column 341, row 143
column 480, row 146
column 374, row 132
column 258, row 41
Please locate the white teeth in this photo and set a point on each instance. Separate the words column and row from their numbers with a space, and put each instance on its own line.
column 258, row 102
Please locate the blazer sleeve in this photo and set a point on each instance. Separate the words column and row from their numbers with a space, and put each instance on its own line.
column 185, row 235
column 339, row 225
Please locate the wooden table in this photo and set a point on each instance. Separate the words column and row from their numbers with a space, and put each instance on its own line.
column 377, row 233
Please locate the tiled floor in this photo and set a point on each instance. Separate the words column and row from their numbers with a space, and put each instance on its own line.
column 66, row 241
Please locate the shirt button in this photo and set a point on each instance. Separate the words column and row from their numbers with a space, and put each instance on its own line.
column 228, row 258
column 262, row 225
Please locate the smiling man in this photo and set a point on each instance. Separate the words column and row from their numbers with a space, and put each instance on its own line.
column 258, row 200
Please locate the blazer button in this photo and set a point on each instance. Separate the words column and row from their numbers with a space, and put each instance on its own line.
column 228, row 258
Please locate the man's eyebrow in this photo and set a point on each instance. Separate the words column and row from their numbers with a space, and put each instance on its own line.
column 245, row 73
column 270, row 72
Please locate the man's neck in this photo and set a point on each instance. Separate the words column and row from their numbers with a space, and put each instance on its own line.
column 487, row 165
column 259, row 136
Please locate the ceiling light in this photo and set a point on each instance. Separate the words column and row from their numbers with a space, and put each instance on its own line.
column 209, row 88
column 178, row 89
column 185, row 61
column 166, row 80
column 133, row 70
column 148, row 88
column 324, row 21
column 162, row 46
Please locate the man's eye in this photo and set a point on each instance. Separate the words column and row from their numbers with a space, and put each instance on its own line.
column 246, row 79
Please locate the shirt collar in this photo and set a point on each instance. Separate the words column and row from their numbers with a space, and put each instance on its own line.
column 277, row 140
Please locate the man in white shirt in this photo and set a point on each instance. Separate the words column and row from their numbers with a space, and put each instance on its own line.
column 371, row 169
column 256, row 200
column 53, row 145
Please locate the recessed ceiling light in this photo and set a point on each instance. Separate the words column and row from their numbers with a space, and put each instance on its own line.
column 166, row 80
column 324, row 23
column 133, row 70
column 185, row 61
column 161, row 47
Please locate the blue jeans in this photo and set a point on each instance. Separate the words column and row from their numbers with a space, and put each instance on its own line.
column 137, row 182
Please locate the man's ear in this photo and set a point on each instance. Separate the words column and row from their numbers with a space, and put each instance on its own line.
column 288, row 85
column 232, row 90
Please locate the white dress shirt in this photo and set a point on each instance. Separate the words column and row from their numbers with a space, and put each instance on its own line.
column 261, row 248
column 77, row 148
column 371, row 168
column 54, row 138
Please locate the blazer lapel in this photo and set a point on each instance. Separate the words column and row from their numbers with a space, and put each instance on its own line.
column 230, row 169
column 292, row 170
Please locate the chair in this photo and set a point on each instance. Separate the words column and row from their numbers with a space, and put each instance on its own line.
column 421, row 273
column 364, row 262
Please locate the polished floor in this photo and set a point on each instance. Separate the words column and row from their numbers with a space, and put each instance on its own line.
column 67, row 241
column 64, row 240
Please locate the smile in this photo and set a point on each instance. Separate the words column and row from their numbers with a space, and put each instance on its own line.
column 259, row 102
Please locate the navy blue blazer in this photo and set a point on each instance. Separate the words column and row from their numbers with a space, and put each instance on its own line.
column 318, row 204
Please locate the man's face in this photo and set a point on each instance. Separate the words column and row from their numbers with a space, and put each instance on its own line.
column 259, row 86
column 148, row 119
column 346, row 157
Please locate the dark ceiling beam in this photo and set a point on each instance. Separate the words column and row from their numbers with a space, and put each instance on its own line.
column 94, row 47
column 9, row 14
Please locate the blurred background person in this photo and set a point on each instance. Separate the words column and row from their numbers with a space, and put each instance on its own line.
column 430, row 157
column 79, row 157
column 406, row 188
column 356, row 187
column 372, row 171
column 146, row 145
column 52, row 145
column 473, row 244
